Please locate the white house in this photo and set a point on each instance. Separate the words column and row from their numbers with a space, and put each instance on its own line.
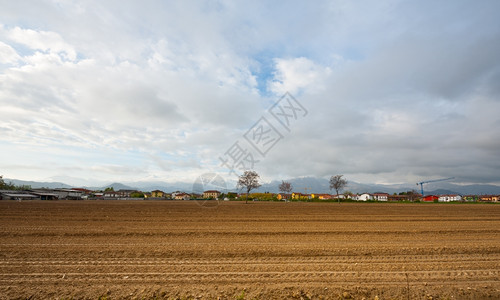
column 380, row 196
column 176, row 193
column 449, row 198
column 182, row 196
column 110, row 194
column 363, row 197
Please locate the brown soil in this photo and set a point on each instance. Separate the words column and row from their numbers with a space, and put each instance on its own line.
column 260, row 250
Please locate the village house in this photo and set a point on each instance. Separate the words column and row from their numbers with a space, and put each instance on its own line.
column 157, row 194
column 182, row 196
column 211, row 194
column 341, row 196
column 362, row 197
column 125, row 193
column 283, row 196
column 380, row 196
column 470, row 198
column 449, row 198
column 300, row 196
column 398, row 198
column 322, row 196
column 488, row 198
column 175, row 194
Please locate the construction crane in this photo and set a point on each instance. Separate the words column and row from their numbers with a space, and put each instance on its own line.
column 429, row 181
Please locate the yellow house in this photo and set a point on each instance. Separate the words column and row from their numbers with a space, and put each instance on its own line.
column 321, row 196
column 489, row 198
column 300, row 196
column 211, row 194
column 157, row 194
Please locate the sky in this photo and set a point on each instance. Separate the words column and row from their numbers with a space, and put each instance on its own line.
column 379, row 91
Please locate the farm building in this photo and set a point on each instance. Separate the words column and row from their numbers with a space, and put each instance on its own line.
column 17, row 195
column 45, row 194
column 430, row 198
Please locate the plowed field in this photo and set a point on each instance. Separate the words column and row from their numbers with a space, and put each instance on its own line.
column 260, row 250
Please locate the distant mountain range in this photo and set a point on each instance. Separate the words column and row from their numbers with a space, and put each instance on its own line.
column 322, row 185
column 38, row 184
column 139, row 185
column 301, row 184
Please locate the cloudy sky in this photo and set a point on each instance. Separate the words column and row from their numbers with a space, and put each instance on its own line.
column 382, row 91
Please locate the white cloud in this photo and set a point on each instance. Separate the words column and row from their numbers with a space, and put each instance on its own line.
column 298, row 75
column 41, row 40
column 395, row 89
column 8, row 55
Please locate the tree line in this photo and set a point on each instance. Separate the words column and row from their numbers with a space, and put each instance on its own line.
column 11, row 186
column 249, row 180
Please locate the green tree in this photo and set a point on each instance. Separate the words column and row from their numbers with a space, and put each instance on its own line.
column 2, row 183
column 10, row 185
column 137, row 194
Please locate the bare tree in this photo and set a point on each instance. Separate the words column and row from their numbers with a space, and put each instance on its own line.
column 413, row 195
column 249, row 180
column 285, row 187
column 338, row 183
